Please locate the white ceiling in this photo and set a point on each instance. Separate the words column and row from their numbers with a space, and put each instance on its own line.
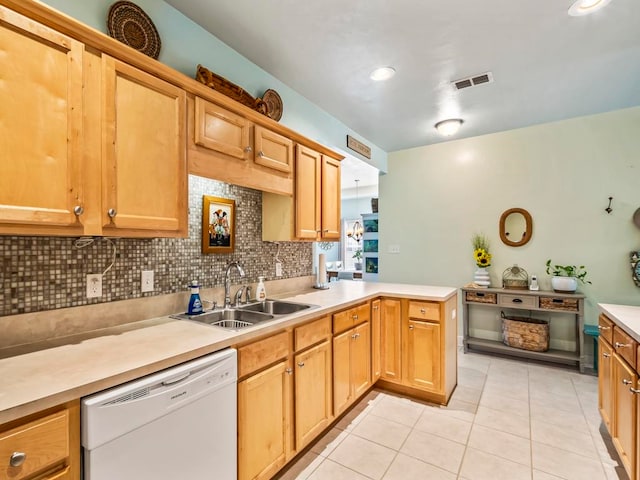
column 547, row 65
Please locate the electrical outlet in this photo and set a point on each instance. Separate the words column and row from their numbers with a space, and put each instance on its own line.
column 278, row 269
column 94, row 285
column 394, row 248
column 146, row 279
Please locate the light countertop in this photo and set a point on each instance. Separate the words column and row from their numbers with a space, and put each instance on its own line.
column 627, row 316
column 36, row 377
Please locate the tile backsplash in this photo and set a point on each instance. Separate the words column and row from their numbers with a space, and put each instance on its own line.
column 46, row 273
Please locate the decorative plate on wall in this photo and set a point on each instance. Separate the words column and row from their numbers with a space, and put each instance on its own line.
column 129, row 24
column 274, row 104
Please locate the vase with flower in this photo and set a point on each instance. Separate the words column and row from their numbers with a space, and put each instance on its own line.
column 482, row 258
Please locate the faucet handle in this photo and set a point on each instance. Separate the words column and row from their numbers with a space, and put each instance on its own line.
column 213, row 303
column 238, row 296
column 247, row 294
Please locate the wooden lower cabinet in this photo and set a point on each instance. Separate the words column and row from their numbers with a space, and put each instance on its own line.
column 376, row 363
column 352, row 366
column 48, row 442
column 424, row 355
column 624, row 432
column 391, row 328
column 264, row 422
column 313, row 393
column 605, row 373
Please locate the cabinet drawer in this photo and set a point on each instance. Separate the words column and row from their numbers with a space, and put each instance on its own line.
column 624, row 345
column 424, row 310
column 257, row 355
column 348, row 318
column 517, row 301
column 312, row 332
column 559, row 303
column 44, row 441
column 606, row 328
column 480, row 297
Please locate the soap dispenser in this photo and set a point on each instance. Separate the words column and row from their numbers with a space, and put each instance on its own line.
column 195, row 304
column 261, row 291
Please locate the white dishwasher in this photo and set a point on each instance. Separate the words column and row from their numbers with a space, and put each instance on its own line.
column 176, row 424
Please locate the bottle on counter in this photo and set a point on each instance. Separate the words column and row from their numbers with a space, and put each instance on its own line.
column 195, row 304
column 261, row 291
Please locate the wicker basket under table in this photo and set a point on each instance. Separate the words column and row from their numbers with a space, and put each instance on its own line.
column 525, row 333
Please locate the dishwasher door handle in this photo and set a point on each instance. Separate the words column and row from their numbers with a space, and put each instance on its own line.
column 177, row 379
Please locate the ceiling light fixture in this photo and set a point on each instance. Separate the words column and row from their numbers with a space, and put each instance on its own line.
column 382, row 73
column 449, row 127
column 585, row 7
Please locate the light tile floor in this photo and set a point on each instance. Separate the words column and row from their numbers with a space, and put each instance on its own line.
column 507, row 420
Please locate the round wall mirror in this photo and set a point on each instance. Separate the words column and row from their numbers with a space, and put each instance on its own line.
column 516, row 227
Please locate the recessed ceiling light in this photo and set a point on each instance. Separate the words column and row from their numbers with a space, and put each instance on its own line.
column 382, row 73
column 585, row 7
column 449, row 127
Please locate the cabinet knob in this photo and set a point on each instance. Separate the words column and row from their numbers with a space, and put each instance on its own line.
column 375, row 307
column 78, row 210
column 606, row 355
column 411, row 327
column 355, row 336
column 626, row 382
column 289, row 371
column 248, row 149
column 423, row 311
column 622, row 345
column 355, row 317
column 301, row 364
column 600, row 327
column 17, row 459
column 634, row 390
column 261, row 154
column 112, row 212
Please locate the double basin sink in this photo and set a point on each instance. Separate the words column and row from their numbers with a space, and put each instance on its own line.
column 246, row 315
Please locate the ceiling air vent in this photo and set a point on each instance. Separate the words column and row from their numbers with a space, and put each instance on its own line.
column 473, row 81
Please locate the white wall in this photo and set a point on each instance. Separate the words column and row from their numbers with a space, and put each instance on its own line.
column 435, row 197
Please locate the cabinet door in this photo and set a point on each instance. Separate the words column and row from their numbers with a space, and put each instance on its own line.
column 144, row 178
column 375, row 341
column 273, row 150
column 624, row 416
column 330, row 198
column 40, row 126
column 221, row 130
column 307, row 192
column 605, row 372
column 342, row 393
column 391, row 337
column 361, row 359
column 264, row 419
column 313, row 393
column 424, row 355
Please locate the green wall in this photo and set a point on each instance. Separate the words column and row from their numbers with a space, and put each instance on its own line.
column 185, row 44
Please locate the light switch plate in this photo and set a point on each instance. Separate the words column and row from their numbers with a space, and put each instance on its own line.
column 146, row 280
column 395, row 248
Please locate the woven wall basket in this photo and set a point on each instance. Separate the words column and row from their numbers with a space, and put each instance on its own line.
column 129, row 24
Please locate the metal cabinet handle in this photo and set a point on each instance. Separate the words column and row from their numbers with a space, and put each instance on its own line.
column 606, row 355
column 423, row 311
column 626, row 382
column 517, row 300
column 78, row 210
column 112, row 212
column 355, row 316
column 17, row 459
column 621, row 345
column 355, row 336
column 634, row 390
column 289, row 371
column 411, row 327
column 600, row 327
column 248, row 149
column 261, row 154
column 301, row 364
column 375, row 307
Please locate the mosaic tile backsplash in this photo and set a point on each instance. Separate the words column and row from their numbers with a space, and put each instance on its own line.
column 45, row 273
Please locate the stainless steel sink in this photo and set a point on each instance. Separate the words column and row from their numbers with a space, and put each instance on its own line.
column 231, row 319
column 275, row 307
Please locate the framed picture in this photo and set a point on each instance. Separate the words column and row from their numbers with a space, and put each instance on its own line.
column 635, row 267
column 371, row 225
column 370, row 246
column 218, row 224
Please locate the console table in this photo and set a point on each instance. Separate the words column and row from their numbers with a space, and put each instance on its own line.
column 551, row 303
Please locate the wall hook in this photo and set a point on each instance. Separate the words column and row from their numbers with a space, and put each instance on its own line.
column 609, row 209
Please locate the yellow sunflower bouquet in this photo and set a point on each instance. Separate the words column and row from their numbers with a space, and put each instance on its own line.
column 481, row 250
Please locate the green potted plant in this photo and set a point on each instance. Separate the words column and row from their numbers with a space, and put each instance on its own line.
column 358, row 256
column 565, row 277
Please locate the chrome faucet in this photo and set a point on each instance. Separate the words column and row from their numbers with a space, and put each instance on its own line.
column 246, row 289
column 227, row 282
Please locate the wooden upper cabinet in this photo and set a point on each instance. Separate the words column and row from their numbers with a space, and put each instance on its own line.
column 307, row 193
column 219, row 129
column 144, row 181
column 40, row 128
column 330, row 209
column 273, row 150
